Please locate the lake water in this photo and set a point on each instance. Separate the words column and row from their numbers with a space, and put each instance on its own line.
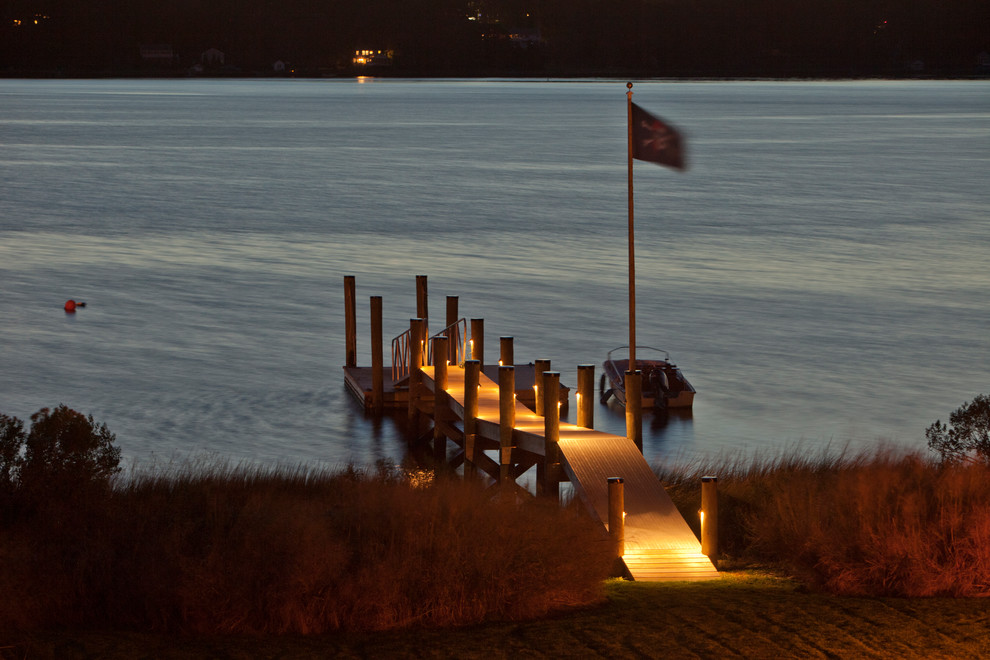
column 820, row 273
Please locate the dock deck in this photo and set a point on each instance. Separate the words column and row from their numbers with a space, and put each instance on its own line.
column 359, row 383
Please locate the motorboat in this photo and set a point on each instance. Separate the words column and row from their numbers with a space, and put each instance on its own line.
column 664, row 386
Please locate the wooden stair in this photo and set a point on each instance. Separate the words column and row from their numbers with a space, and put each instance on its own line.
column 661, row 566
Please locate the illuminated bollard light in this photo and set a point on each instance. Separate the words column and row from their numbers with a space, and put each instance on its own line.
column 709, row 516
column 616, row 516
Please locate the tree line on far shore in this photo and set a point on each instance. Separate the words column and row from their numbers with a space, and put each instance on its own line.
column 650, row 38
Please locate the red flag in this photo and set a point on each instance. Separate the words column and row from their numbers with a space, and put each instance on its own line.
column 656, row 141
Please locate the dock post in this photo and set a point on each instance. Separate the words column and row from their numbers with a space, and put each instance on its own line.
column 415, row 362
column 616, row 516
column 542, row 366
column 478, row 341
column 551, row 434
column 439, row 398
column 506, row 359
column 377, row 357
column 421, row 311
column 350, row 320
column 709, row 516
column 634, row 407
column 472, row 376
column 451, row 332
column 507, row 423
column 586, row 396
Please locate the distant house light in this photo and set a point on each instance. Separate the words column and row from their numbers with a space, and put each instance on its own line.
column 367, row 57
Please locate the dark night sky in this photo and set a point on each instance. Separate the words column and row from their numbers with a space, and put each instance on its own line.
column 460, row 37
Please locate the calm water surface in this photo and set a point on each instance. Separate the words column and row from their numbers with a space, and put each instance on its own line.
column 819, row 273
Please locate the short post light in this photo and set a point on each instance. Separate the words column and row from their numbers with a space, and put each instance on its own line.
column 709, row 516
column 616, row 516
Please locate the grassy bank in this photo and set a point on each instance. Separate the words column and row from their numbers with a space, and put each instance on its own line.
column 219, row 550
column 745, row 615
column 881, row 523
column 210, row 550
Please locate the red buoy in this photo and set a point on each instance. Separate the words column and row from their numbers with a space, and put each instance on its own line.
column 70, row 306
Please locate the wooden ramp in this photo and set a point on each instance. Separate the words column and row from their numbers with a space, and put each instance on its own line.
column 659, row 545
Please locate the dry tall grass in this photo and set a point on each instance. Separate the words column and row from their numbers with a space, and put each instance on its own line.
column 219, row 549
column 881, row 523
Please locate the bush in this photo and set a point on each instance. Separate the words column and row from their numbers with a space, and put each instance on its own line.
column 969, row 434
column 65, row 455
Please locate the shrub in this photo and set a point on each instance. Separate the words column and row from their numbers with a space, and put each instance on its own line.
column 969, row 434
column 65, row 456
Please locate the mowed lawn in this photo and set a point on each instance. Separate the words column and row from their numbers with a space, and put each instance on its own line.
column 745, row 614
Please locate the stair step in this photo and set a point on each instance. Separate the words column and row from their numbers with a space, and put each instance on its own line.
column 661, row 566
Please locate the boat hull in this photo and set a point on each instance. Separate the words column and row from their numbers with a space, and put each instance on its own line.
column 679, row 394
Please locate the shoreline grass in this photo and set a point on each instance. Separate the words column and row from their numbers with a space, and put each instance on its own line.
column 210, row 552
column 884, row 522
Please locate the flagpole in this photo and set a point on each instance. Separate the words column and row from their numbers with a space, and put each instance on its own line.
column 632, row 253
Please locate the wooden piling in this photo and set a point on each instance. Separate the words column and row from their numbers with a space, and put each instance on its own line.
column 616, row 516
column 542, row 366
column 439, row 399
column 377, row 356
column 350, row 320
column 709, row 516
column 421, row 298
column 416, row 332
column 507, row 422
column 586, row 396
column 506, row 358
column 551, row 434
column 472, row 376
column 634, row 407
column 478, row 340
column 450, row 331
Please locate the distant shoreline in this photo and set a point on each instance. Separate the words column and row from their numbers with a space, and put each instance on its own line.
column 520, row 77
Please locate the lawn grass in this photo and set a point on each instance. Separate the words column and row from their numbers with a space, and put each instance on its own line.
column 747, row 614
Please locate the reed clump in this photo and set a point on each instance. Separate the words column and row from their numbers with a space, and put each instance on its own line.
column 216, row 549
column 880, row 523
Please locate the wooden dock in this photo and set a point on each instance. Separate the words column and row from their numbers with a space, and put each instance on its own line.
column 504, row 419
column 659, row 545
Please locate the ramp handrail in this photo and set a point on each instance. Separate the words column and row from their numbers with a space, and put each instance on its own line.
column 456, row 334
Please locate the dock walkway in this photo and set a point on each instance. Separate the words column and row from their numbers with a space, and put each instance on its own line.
column 659, row 545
